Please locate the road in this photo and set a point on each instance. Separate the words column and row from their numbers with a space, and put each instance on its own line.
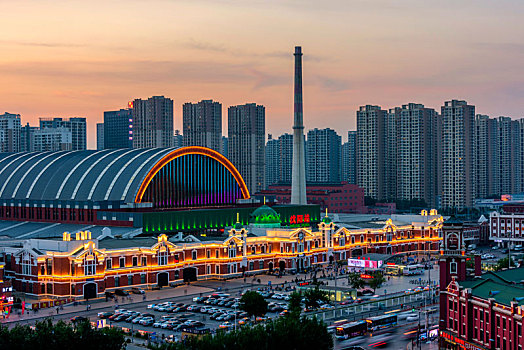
column 185, row 294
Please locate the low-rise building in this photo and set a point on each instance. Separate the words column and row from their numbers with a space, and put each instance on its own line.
column 79, row 266
column 336, row 197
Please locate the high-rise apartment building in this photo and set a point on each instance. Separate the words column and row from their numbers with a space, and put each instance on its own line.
column 371, row 151
column 459, row 155
column 509, row 155
column 348, row 159
column 99, row 136
column 27, row 138
column 351, row 151
column 178, row 139
column 486, row 143
column 10, row 126
column 118, row 129
column 152, row 122
column 246, row 143
column 323, row 156
column 272, row 160
column 202, row 124
column 76, row 125
column 225, row 146
column 52, row 140
column 286, row 158
column 416, row 157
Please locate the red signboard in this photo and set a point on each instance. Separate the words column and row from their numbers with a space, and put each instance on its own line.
column 299, row 219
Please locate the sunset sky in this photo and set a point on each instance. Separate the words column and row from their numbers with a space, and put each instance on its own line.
column 80, row 58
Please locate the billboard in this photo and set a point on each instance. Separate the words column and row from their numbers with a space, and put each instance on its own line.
column 364, row 264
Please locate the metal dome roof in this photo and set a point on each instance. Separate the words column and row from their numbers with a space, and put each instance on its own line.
column 106, row 175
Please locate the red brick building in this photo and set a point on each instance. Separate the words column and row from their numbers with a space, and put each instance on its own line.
column 337, row 198
column 477, row 311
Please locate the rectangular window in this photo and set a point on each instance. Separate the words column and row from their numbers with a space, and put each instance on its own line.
column 194, row 255
column 117, row 281
column 144, row 261
column 217, row 270
column 122, row 262
column 142, row 279
column 129, row 280
column 135, row 261
column 109, row 263
column 253, row 250
column 176, row 258
column 216, row 253
column 261, row 265
column 208, row 253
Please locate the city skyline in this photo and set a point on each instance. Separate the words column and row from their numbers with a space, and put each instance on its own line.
column 81, row 65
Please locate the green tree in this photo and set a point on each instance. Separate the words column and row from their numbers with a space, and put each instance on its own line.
column 295, row 304
column 283, row 333
column 504, row 264
column 314, row 297
column 355, row 281
column 60, row 335
column 253, row 303
column 377, row 280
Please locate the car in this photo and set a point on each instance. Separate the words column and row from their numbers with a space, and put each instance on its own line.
column 225, row 325
column 136, row 290
column 150, row 306
column 495, row 247
column 147, row 322
column 158, row 324
column 103, row 315
column 244, row 321
column 347, row 302
column 121, row 292
column 412, row 318
column 215, row 315
column 221, row 317
column 229, row 317
column 156, row 287
column 196, row 308
column 77, row 319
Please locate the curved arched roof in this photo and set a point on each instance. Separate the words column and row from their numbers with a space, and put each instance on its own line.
column 107, row 175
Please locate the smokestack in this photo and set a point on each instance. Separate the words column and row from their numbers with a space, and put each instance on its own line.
column 298, row 178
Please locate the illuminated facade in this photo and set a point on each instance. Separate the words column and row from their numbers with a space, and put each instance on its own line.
column 80, row 266
column 6, row 300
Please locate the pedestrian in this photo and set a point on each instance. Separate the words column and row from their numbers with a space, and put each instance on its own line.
column 57, row 310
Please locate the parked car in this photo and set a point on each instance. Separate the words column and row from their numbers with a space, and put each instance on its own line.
column 78, row 319
column 103, row 315
column 121, row 292
column 136, row 290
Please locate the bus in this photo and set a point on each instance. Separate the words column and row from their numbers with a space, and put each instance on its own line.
column 350, row 330
column 394, row 270
column 412, row 270
column 381, row 322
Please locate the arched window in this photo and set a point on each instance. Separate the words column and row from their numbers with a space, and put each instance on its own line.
column 232, row 249
column 26, row 264
column 90, row 265
column 162, row 256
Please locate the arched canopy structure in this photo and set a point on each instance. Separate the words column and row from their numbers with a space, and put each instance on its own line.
column 192, row 176
column 195, row 176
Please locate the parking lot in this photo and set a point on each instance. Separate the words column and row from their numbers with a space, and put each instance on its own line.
column 211, row 312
